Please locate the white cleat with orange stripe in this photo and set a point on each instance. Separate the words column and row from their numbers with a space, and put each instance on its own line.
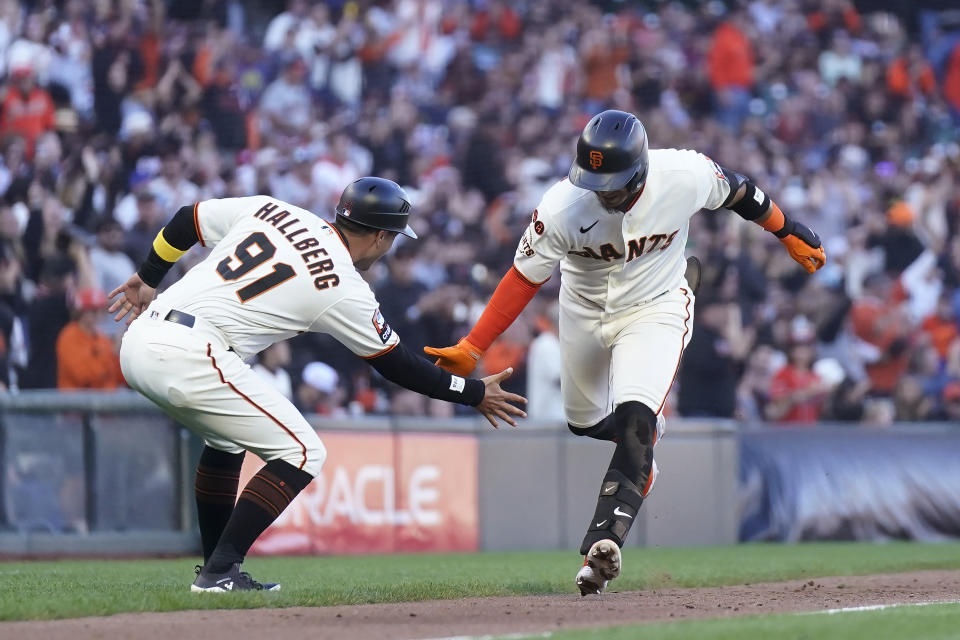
column 601, row 565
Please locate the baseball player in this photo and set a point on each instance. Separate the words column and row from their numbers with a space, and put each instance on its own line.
column 274, row 271
column 618, row 227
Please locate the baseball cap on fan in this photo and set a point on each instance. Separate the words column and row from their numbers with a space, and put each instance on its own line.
column 90, row 299
column 321, row 377
column 21, row 69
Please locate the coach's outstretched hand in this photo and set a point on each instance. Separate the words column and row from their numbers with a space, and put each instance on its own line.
column 460, row 359
column 496, row 402
column 136, row 297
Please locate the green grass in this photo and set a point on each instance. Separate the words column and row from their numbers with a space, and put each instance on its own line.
column 68, row 588
column 934, row 622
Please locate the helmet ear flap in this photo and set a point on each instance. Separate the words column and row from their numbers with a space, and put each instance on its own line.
column 637, row 180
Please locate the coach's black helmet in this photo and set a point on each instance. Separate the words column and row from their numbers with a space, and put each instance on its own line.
column 377, row 203
column 611, row 153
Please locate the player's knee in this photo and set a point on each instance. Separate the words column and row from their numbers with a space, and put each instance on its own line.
column 308, row 455
column 635, row 421
column 316, row 455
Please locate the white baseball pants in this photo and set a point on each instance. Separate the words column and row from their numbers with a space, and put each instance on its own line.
column 630, row 355
column 191, row 374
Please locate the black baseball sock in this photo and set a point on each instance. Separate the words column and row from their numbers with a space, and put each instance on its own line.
column 215, row 488
column 263, row 500
column 627, row 479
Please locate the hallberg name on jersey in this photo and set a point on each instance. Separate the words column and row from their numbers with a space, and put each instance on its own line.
column 635, row 248
column 316, row 267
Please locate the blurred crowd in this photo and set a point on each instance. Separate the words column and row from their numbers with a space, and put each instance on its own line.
column 115, row 113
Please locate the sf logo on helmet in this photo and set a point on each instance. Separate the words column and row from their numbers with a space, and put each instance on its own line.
column 596, row 159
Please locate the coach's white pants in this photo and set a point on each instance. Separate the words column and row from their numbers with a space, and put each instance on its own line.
column 609, row 359
column 192, row 376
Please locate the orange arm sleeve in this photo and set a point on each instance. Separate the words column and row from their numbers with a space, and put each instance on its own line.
column 512, row 295
column 775, row 219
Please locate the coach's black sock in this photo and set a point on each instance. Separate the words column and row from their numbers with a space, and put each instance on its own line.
column 263, row 500
column 215, row 488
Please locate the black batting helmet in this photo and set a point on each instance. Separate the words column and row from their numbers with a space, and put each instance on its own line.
column 611, row 153
column 377, row 203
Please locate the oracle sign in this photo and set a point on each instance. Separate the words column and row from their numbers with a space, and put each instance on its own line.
column 381, row 493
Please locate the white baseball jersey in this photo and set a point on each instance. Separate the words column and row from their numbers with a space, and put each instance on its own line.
column 276, row 271
column 618, row 260
column 626, row 312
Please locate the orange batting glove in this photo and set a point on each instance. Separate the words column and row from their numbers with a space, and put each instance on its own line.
column 460, row 359
column 803, row 245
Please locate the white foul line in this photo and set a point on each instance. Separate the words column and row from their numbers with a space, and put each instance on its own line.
column 880, row 607
column 829, row 612
column 511, row 636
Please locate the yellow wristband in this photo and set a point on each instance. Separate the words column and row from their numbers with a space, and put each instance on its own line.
column 165, row 250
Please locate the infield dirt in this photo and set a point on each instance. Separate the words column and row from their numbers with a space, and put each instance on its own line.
column 505, row 615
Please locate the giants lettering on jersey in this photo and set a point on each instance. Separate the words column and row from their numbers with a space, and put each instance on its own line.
column 316, row 265
column 635, row 248
column 526, row 243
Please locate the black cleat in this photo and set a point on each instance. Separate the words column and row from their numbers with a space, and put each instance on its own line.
column 232, row 580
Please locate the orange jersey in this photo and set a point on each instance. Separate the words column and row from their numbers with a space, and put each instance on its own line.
column 27, row 115
column 86, row 360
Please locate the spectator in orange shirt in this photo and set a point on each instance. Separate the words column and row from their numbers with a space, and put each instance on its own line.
column 941, row 326
column 602, row 54
column 511, row 350
column 85, row 357
column 951, row 81
column 910, row 74
column 497, row 19
column 27, row 109
column 884, row 328
column 797, row 394
column 730, row 65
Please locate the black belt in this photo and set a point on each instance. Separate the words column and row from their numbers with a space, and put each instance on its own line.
column 184, row 318
column 180, row 317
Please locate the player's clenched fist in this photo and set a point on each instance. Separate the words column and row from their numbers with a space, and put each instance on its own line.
column 460, row 359
column 804, row 246
column 496, row 402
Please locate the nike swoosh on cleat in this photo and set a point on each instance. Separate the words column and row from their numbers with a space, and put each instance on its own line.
column 582, row 230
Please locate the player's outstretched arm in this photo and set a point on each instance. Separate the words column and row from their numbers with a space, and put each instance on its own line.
column 403, row 367
column 510, row 298
column 749, row 202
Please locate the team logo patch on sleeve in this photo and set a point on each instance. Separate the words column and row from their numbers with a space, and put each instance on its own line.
column 380, row 324
column 537, row 223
